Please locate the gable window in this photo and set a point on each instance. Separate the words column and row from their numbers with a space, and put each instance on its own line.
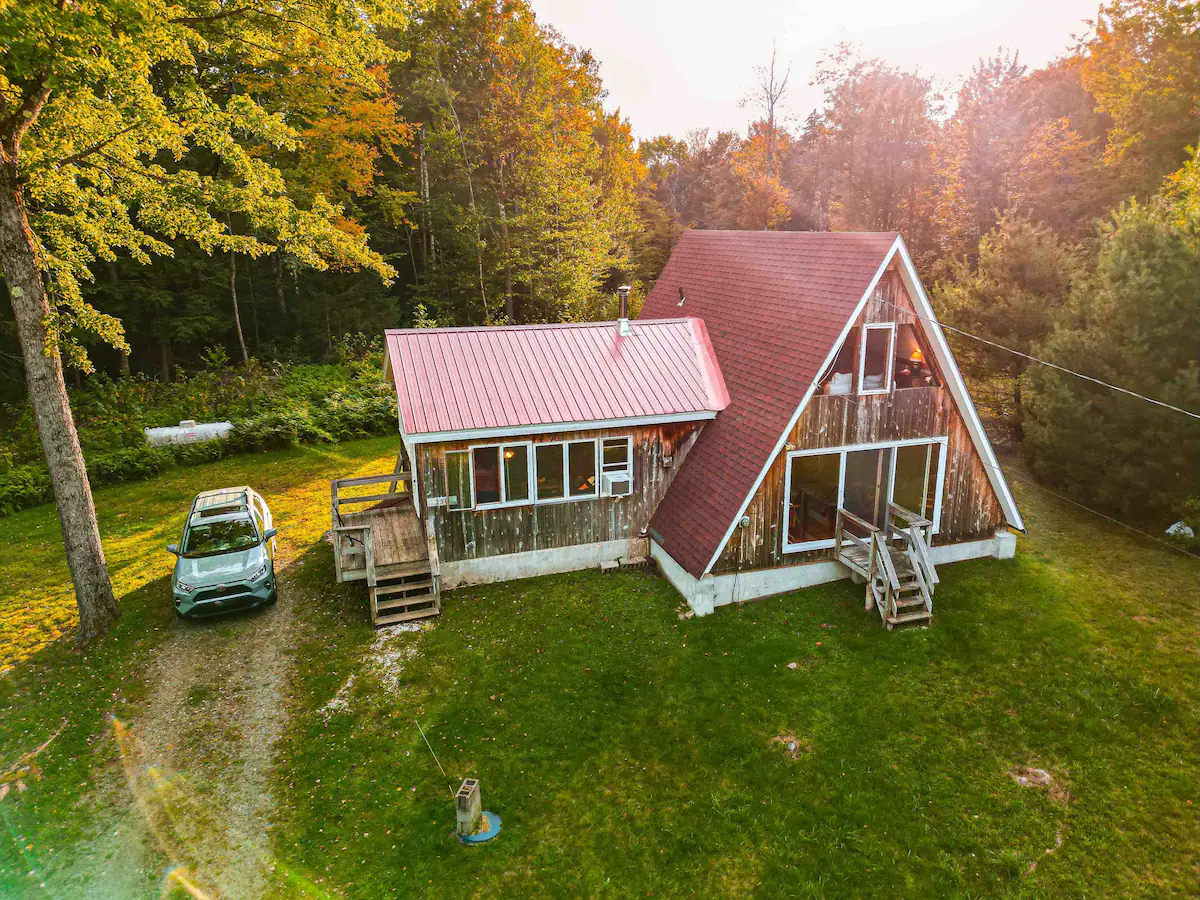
column 581, row 468
column 551, row 472
column 616, row 466
column 875, row 361
column 913, row 368
column 458, row 480
column 840, row 378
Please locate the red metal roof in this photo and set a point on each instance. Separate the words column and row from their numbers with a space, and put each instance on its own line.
column 518, row 376
column 774, row 303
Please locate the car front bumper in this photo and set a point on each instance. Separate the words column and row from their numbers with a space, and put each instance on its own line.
column 213, row 600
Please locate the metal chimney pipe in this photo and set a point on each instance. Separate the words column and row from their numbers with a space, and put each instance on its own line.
column 623, row 327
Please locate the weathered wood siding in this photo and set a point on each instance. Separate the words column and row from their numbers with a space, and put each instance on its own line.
column 970, row 509
column 477, row 534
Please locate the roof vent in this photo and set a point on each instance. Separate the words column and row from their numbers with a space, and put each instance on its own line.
column 681, row 298
column 623, row 327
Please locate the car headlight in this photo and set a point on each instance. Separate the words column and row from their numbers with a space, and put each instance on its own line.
column 260, row 574
column 184, row 586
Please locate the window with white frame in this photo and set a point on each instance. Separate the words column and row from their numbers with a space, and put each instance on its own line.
column 875, row 359
column 551, row 469
column 581, row 469
column 908, row 473
column 519, row 473
column 616, row 466
column 500, row 474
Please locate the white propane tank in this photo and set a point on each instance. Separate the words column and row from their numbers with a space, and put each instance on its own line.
column 189, row 431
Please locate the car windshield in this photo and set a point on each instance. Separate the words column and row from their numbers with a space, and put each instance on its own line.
column 227, row 536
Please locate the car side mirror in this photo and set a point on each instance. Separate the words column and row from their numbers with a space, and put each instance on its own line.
column 173, row 548
column 270, row 533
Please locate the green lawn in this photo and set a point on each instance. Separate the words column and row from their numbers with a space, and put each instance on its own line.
column 631, row 752
column 45, row 683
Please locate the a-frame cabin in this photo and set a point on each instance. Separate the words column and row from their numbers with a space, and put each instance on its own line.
column 850, row 445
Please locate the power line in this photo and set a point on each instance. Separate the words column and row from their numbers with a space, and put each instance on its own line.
column 1178, row 409
column 1040, row 487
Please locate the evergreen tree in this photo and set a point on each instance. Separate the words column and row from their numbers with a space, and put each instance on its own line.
column 1132, row 323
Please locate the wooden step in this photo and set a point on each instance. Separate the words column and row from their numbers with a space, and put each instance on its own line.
column 381, row 590
column 394, row 618
column 395, row 605
column 906, row 618
column 401, row 570
column 906, row 602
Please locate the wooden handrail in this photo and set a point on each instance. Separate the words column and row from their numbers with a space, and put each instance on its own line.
column 922, row 553
column 908, row 515
column 372, row 498
column 373, row 479
column 862, row 523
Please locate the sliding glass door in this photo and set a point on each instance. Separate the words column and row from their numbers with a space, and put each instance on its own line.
column 861, row 480
column 865, row 485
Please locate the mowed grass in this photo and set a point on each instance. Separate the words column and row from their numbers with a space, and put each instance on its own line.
column 46, row 685
column 629, row 752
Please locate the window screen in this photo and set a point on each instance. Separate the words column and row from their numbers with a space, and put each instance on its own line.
column 549, row 464
column 487, row 474
column 458, row 480
column 581, row 463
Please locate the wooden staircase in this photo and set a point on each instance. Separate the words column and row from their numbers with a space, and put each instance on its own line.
column 895, row 565
column 387, row 546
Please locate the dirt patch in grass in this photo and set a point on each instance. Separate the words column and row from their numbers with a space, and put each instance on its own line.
column 792, row 745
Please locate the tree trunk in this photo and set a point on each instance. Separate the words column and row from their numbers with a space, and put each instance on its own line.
column 237, row 319
column 116, row 281
column 279, row 284
column 508, row 291
column 164, row 351
column 52, row 412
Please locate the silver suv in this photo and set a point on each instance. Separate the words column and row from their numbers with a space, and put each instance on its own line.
column 226, row 555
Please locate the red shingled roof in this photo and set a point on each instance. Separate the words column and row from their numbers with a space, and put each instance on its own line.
column 774, row 303
column 519, row 376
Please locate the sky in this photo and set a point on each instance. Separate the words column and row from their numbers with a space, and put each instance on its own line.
column 674, row 65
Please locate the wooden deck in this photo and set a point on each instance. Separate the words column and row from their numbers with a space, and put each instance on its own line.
column 387, row 545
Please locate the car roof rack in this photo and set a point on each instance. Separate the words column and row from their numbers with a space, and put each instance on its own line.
column 221, row 502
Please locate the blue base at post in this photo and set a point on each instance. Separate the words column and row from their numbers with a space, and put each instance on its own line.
column 493, row 821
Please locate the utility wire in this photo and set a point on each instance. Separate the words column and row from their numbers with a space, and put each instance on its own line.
column 1094, row 512
column 449, row 786
column 1178, row 409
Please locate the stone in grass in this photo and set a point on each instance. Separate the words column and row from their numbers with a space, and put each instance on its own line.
column 792, row 745
column 1028, row 776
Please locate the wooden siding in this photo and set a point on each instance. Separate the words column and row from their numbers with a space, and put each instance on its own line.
column 970, row 509
column 477, row 534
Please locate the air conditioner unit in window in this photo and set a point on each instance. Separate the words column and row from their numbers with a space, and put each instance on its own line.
column 616, row 484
